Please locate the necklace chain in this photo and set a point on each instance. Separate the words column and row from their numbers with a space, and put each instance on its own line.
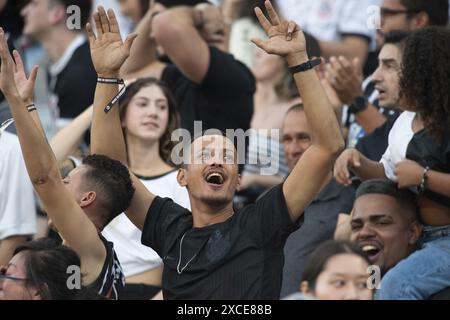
column 179, row 259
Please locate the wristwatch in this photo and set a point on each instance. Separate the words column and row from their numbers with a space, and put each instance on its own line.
column 305, row 66
column 359, row 104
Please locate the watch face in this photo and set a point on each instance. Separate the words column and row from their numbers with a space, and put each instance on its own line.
column 359, row 104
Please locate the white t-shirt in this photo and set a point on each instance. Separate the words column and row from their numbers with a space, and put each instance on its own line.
column 134, row 257
column 330, row 20
column 17, row 205
column 399, row 138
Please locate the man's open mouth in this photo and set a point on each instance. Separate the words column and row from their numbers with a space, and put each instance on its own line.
column 215, row 178
column 372, row 251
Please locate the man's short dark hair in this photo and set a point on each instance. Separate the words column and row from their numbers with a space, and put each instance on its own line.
column 405, row 198
column 112, row 182
column 397, row 38
column 84, row 5
column 437, row 10
column 296, row 107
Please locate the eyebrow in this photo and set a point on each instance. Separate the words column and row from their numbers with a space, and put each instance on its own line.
column 297, row 134
column 372, row 217
column 388, row 61
column 147, row 99
column 337, row 274
column 379, row 216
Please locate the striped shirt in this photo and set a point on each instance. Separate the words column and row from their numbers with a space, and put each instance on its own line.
column 265, row 156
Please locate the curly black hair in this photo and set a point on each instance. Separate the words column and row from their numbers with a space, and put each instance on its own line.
column 112, row 182
column 425, row 77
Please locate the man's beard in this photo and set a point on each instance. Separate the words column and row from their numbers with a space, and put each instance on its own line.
column 216, row 202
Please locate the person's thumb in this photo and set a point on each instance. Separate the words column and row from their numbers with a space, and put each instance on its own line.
column 260, row 43
column 356, row 159
column 33, row 74
column 129, row 41
column 357, row 66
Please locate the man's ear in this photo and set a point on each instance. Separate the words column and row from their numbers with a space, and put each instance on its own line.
column 420, row 20
column 238, row 186
column 181, row 177
column 34, row 293
column 57, row 14
column 87, row 199
column 415, row 231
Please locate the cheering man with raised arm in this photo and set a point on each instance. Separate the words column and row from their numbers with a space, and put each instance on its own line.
column 86, row 200
column 215, row 252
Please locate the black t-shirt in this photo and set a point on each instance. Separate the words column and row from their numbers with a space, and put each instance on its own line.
column 374, row 145
column 111, row 280
column 224, row 100
column 427, row 150
column 75, row 84
column 241, row 258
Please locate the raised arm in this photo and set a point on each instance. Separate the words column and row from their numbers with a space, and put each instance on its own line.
column 108, row 55
column 72, row 223
column 308, row 176
column 143, row 53
column 176, row 31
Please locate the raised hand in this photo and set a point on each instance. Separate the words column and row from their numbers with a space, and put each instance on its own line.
column 7, row 67
column 107, row 49
column 333, row 97
column 285, row 38
column 24, row 85
column 14, row 70
column 346, row 78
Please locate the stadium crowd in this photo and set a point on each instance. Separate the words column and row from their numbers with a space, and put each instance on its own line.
column 224, row 149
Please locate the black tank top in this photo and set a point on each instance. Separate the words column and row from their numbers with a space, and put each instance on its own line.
column 111, row 280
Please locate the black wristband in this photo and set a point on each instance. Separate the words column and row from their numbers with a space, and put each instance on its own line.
column 358, row 104
column 118, row 95
column 31, row 107
column 305, row 66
